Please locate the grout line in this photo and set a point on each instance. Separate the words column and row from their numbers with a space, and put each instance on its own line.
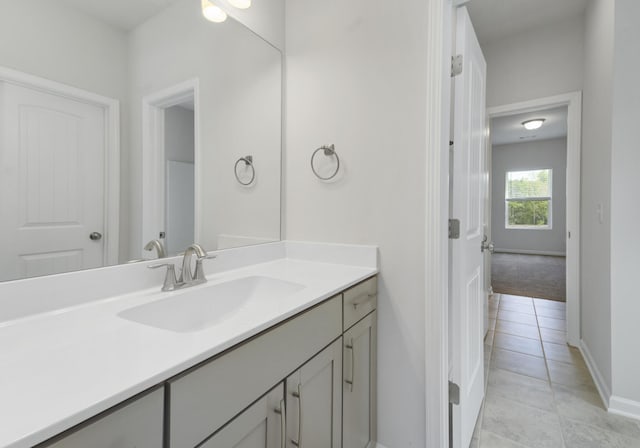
column 553, row 394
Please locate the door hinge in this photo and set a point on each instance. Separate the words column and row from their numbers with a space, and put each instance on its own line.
column 454, row 393
column 456, row 65
column 454, row 229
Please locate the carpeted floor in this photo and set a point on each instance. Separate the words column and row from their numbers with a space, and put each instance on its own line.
column 538, row 276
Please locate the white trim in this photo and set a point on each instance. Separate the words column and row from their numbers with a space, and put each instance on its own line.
column 573, row 101
column 112, row 148
column 438, row 102
column 551, row 253
column 624, row 407
column 153, row 156
column 601, row 384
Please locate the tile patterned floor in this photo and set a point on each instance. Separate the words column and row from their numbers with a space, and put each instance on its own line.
column 539, row 393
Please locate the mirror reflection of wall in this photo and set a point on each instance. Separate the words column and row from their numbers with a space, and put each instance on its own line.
column 114, row 54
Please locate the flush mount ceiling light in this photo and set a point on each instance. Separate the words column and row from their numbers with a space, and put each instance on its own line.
column 240, row 4
column 536, row 123
column 212, row 12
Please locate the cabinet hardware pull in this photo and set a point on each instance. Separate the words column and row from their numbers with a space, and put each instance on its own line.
column 357, row 303
column 298, row 394
column 350, row 347
column 282, row 411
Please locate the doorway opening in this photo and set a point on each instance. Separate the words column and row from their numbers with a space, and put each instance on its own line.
column 528, row 204
column 535, row 195
column 171, row 152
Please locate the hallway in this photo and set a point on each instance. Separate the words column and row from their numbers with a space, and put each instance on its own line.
column 539, row 393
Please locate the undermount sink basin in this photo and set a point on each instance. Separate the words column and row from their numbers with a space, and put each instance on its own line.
column 196, row 309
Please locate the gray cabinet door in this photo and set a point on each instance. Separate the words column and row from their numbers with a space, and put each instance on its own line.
column 137, row 424
column 259, row 426
column 314, row 401
column 359, row 385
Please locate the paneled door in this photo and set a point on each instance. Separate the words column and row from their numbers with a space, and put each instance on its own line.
column 314, row 401
column 262, row 425
column 52, row 163
column 467, row 205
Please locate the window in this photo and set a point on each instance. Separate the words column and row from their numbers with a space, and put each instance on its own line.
column 528, row 199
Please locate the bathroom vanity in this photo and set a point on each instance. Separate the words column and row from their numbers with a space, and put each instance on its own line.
column 289, row 361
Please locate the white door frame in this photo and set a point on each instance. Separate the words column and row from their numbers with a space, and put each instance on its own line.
column 153, row 156
column 112, row 148
column 573, row 101
column 438, row 105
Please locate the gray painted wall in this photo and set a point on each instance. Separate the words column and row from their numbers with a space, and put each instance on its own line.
column 179, row 134
column 530, row 156
column 536, row 63
column 595, row 244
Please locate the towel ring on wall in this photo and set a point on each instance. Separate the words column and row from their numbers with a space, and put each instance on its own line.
column 248, row 162
column 328, row 151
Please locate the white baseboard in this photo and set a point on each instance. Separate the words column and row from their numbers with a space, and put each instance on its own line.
column 624, row 407
column 530, row 252
column 601, row 384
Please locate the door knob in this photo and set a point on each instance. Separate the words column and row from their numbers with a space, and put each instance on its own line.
column 95, row 236
column 484, row 246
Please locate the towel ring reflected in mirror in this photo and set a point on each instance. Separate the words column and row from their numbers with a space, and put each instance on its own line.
column 248, row 162
column 328, row 151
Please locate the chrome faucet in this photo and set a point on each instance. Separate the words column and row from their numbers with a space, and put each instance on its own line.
column 157, row 245
column 187, row 276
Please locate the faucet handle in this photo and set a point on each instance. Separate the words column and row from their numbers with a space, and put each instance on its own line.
column 199, row 274
column 170, row 282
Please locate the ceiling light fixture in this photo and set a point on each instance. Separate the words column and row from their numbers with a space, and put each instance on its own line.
column 240, row 4
column 212, row 12
column 531, row 125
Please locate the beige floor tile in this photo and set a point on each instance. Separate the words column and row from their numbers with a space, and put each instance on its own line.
column 523, row 389
column 563, row 352
column 493, row 313
column 544, row 303
column 549, row 335
column 520, row 307
column 514, row 316
column 585, row 406
column 491, row 440
column 579, row 435
column 475, row 443
column 515, row 299
column 551, row 323
column 519, row 363
column 528, row 426
column 527, row 331
column 518, row 344
column 551, row 312
column 568, row 374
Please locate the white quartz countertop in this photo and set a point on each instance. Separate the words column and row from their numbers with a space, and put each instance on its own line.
column 62, row 367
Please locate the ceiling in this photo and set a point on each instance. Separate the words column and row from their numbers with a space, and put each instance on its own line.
column 509, row 129
column 497, row 19
column 123, row 14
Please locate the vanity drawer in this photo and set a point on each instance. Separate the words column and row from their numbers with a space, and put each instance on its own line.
column 137, row 423
column 359, row 301
column 204, row 399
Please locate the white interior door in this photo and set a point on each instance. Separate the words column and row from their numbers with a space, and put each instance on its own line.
column 467, row 269
column 52, row 160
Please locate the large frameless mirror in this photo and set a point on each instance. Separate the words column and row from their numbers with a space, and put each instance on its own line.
column 127, row 122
